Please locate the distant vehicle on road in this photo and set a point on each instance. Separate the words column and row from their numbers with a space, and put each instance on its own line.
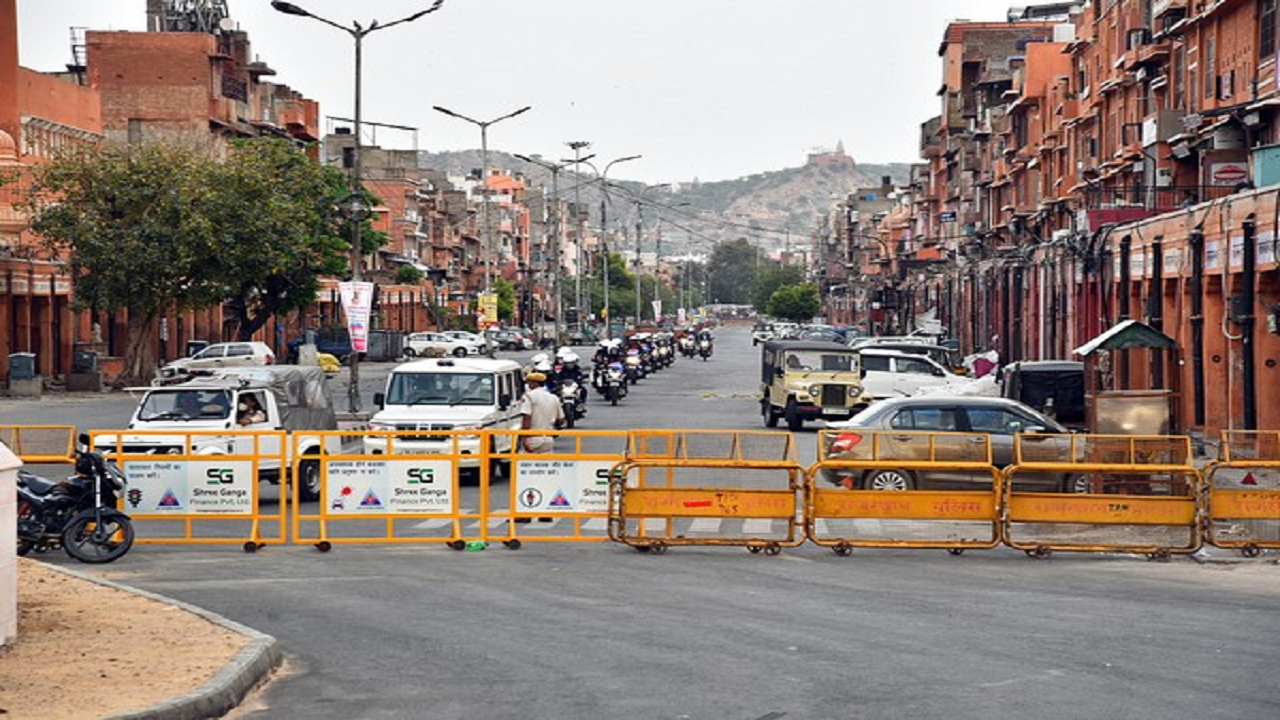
column 335, row 341
column 888, row 374
column 421, row 344
column 217, row 355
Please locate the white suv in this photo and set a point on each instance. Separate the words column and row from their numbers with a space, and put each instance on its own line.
column 888, row 373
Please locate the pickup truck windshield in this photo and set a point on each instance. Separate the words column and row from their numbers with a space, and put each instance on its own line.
column 185, row 405
column 440, row 389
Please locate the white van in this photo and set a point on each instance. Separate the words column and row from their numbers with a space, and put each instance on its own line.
column 443, row 394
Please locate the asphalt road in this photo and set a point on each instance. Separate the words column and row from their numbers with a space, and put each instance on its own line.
column 567, row 630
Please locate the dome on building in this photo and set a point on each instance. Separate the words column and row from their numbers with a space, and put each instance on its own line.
column 8, row 148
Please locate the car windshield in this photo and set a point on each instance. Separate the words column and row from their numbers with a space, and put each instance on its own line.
column 821, row 361
column 408, row 388
column 185, row 405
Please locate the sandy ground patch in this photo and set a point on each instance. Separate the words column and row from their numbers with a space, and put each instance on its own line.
column 86, row 651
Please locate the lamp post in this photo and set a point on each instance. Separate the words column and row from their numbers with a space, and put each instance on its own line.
column 486, row 240
column 639, row 201
column 577, row 146
column 604, row 225
column 556, row 235
column 357, row 33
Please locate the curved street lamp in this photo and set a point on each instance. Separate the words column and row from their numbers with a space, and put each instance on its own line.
column 357, row 33
column 603, row 179
column 487, row 233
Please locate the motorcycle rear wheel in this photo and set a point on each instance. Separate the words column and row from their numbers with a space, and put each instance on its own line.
column 78, row 539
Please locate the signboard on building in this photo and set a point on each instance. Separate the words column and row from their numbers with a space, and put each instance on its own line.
column 357, row 303
column 948, row 216
column 1228, row 173
column 487, row 310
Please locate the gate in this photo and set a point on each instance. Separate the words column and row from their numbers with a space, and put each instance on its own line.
column 903, row 490
column 722, row 488
column 1243, row 487
column 40, row 444
column 1119, row 493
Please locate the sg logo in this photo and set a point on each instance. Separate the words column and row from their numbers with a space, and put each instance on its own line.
column 423, row 476
column 220, row 476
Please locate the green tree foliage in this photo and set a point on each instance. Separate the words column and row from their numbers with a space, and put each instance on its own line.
column 278, row 230
column 506, row 299
column 138, row 228
column 769, row 278
column 408, row 275
column 797, row 303
column 731, row 268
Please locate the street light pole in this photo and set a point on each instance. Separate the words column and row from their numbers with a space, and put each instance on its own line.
column 486, row 233
column 357, row 33
column 603, row 177
column 557, row 236
column 577, row 146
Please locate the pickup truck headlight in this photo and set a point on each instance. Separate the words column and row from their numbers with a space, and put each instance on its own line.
column 815, row 390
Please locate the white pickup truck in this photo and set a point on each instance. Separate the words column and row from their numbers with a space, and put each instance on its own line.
column 293, row 399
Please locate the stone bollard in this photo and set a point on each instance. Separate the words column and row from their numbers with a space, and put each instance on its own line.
column 9, row 464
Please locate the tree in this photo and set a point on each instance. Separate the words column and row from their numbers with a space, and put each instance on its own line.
column 506, row 299
column 769, row 278
column 137, row 227
column 278, row 232
column 731, row 268
column 796, row 303
column 408, row 275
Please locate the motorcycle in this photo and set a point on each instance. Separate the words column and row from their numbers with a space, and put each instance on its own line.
column 704, row 349
column 611, row 382
column 78, row 514
column 688, row 347
column 634, row 367
column 572, row 402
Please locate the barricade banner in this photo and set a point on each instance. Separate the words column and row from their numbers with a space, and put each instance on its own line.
column 1131, row 494
column 373, row 490
column 558, row 494
column 1243, row 487
column 201, row 487
column 686, row 487
column 40, row 444
column 903, row 490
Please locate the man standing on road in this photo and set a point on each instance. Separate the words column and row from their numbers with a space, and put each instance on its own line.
column 541, row 411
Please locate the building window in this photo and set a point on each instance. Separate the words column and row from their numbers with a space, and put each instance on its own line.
column 1266, row 29
column 1210, row 68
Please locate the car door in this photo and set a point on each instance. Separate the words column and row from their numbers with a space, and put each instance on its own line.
column 910, row 445
column 877, row 375
column 1003, row 424
column 913, row 374
column 209, row 357
column 239, row 354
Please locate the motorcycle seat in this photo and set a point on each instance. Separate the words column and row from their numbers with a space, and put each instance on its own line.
column 36, row 484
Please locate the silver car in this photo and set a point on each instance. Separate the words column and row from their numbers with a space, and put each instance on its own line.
column 967, row 417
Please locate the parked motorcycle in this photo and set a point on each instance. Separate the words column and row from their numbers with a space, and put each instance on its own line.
column 78, row 514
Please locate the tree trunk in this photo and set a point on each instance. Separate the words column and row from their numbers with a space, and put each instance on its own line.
column 139, row 362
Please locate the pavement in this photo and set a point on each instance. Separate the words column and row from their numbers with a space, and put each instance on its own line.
column 251, row 667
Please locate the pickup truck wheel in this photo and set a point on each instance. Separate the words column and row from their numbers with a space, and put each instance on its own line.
column 770, row 417
column 309, row 480
column 460, row 352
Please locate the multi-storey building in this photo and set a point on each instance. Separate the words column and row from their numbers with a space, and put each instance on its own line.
column 1110, row 160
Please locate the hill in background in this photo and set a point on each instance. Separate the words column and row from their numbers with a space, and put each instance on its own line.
column 773, row 208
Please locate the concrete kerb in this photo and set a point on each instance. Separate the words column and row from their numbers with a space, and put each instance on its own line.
column 225, row 690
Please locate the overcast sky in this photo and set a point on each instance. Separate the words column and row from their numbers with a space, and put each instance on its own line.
column 713, row 89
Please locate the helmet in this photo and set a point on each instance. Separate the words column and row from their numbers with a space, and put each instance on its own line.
column 569, row 356
column 564, row 351
column 542, row 366
column 539, row 358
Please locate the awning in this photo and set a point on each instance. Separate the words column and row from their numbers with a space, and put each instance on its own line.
column 1126, row 335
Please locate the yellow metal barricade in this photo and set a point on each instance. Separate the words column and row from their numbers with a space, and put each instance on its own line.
column 693, row 487
column 903, row 490
column 558, row 493
column 41, row 444
column 1243, row 488
column 1116, row 493
column 398, row 495
column 201, row 487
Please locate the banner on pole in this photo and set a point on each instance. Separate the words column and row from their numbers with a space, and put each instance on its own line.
column 487, row 310
column 357, row 303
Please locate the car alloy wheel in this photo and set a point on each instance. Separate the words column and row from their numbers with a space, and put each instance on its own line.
column 896, row 480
